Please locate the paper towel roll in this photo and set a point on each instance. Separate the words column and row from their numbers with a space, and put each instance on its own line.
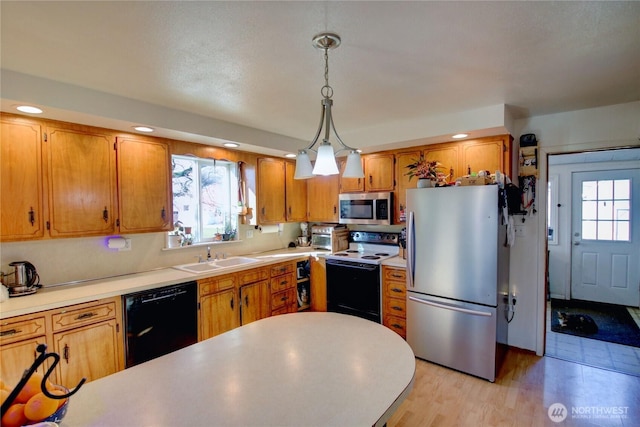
column 117, row 243
column 264, row 229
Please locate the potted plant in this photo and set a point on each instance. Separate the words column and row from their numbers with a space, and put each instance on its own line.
column 428, row 172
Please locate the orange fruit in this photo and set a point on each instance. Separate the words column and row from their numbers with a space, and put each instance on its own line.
column 58, row 392
column 31, row 388
column 3, row 395
column 40, row 407
column 14, row 417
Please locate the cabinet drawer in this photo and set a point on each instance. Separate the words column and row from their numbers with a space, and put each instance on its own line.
column 279, row 269
column 395, row 289
column 214, row 284
column 395, row 274
column 17, row 329
column 397, row 324
column 395, row 307
column 251, row 276
column 281, row 283
column 284, row 298
column 72, row 318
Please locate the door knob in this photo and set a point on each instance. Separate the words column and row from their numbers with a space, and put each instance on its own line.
column 576, row 243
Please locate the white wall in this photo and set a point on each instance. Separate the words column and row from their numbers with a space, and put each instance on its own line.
column 596, row 128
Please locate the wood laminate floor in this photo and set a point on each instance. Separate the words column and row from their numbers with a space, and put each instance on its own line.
column 527, row 386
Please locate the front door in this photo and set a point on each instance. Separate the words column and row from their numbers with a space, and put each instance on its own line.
column 605, row 256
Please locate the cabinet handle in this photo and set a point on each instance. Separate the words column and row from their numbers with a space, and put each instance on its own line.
column 86, row 315
column 284, row 298
column 397, row 326
column 396, row 308
column 396, row 290
column 289, row 210
column 370, row 179
column 246, row 300
column 10, row 332
column 396, row 275
column 335, row 209
column 163, row 213
column 65, row 353
column 284, row 282
column 262, row 210
column 32, row 216
column 231, row 303
column 105, row 214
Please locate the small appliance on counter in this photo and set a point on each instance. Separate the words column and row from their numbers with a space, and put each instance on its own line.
column 25, row 279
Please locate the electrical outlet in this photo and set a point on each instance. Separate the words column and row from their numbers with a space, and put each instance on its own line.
column 520, row 231
column 127, row 245
column 249, row 234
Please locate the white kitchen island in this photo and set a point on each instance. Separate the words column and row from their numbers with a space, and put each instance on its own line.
column 301, row 369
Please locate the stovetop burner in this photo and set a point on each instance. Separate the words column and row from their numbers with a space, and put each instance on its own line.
column 370, row 257
column 382, row 254
column 352, row 251
column 341, row 254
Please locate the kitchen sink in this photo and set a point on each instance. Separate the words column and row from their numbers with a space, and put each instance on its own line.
column 197, row 267
column 230, row 262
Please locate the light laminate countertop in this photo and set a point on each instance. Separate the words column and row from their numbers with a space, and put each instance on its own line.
column 301, row 369
column 52, row 297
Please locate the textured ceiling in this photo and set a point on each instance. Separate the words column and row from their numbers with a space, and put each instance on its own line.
column 401, row 65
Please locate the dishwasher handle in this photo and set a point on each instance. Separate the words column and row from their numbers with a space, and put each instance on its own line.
column 450, row 307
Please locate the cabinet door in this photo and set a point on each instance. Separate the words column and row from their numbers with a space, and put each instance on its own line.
column 295, row 195
column 21, row 188
column 402, row 183
column 448, row 157
column 271, row 191
column 17, row 357
column 318, row 283
column 322, row 198
column 144, row 180
column 483, row 155
column 218, row 314
column 90, row 352
column 82, row 182
column 349, row 185
column 379, row 172
column 254, row 302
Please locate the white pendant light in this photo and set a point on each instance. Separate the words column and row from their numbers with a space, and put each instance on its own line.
column 325, row 159
column 304, row 169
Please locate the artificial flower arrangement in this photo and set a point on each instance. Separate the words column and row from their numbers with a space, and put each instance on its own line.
column 422, row 169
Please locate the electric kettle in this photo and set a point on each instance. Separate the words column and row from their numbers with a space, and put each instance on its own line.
column 26, row 278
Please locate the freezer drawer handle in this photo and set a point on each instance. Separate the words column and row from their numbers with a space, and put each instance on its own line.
column 448, row 307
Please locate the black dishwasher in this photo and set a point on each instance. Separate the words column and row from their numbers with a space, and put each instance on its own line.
column 159, row 321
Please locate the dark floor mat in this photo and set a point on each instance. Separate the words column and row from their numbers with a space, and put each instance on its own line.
column 614, row 323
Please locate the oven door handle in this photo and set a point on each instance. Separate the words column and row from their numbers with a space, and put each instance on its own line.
column 348, row 264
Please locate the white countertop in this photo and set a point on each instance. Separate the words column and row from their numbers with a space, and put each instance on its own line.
column 59, row 296
column 302, row 369
column 396, row 261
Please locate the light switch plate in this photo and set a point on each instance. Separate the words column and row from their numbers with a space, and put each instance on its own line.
column 249, row 234
column 520, row 231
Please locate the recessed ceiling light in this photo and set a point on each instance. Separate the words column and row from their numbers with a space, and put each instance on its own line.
column 143, row 128
column 29, row 109
column 231, row 145
column 290, row 155
column 460, row 135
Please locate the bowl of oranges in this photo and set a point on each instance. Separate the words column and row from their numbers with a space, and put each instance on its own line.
column 32, row 406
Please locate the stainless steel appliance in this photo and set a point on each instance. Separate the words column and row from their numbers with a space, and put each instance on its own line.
column 25, row 279
column 159, row 321
column 329, row 237
column 366, row 208
column 457, row 277
column 353, row 275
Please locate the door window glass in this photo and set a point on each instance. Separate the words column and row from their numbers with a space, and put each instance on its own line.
column 606, row 209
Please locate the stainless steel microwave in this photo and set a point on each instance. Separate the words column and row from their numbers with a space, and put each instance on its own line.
column 366, row 208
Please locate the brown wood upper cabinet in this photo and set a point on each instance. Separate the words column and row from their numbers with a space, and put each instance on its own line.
column 82, row 182
column 322, row 198
column 21, row 180
column 378, row 174
column 280, row 197
column 144, row 179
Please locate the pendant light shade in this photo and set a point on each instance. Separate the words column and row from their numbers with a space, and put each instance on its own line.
column 304, row 169
column 325, row 159
column 353, row 169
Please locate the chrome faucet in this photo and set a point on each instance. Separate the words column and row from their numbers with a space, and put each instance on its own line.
column 208, row 253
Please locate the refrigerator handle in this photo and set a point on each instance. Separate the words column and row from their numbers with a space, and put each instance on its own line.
column 449, row 307
column 411, row 250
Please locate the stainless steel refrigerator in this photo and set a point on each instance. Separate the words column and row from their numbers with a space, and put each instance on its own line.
column 457, row 278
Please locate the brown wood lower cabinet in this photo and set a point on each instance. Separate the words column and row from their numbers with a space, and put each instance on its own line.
column 218, row 305
column 254, row 295
column 318, row 268
column 394, row 304
column 88, row 337
column 283, row 288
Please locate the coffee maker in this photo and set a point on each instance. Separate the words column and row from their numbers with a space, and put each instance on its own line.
column 25, row 279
